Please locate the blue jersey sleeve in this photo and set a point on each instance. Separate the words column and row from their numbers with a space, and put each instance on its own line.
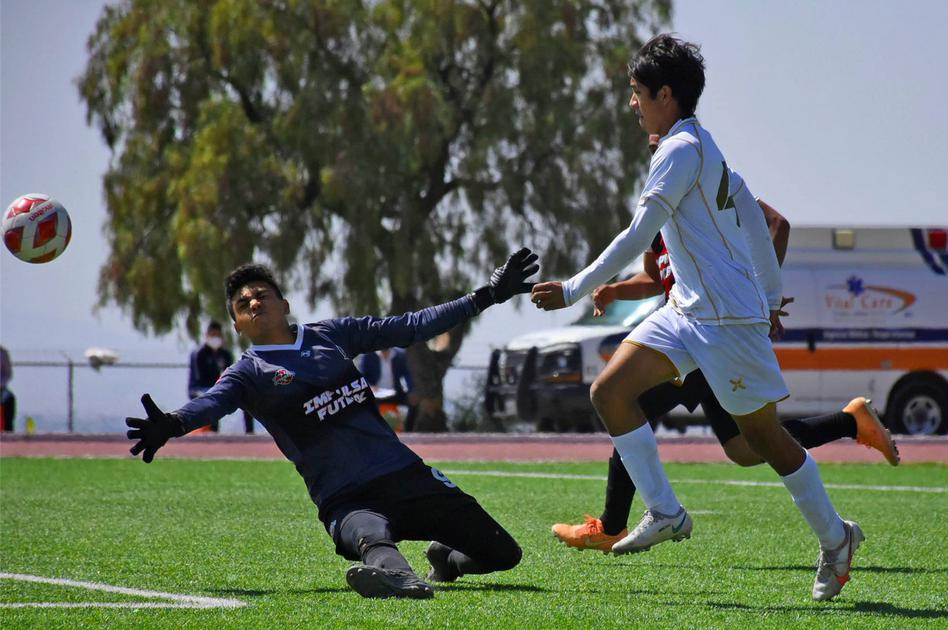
column 220, row 400
column 357, row 335
column 192, row 372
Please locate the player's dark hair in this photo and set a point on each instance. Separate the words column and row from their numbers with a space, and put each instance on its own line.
column 244, row 275
column 214, row 326
column 667, row 60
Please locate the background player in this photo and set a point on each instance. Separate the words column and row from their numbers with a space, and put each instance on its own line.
column 370, row 490
column 724, row 303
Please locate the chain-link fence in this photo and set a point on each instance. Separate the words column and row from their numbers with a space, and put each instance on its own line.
column 73, row 396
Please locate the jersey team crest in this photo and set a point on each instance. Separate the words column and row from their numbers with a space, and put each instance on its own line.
column 283, row 377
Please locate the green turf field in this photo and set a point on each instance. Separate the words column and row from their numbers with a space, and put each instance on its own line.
column 247, row 531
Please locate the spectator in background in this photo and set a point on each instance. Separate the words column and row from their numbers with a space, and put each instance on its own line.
column 8, row 411
column 388, row 369
column 207, row 364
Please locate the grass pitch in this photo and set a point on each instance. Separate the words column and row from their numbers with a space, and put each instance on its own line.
column 246, row 530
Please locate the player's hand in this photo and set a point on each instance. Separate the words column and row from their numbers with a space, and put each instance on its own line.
column 548, row 296
column 603, row 296
column 508, row 280
column 152, row 432
column 783, row 302
column 776, row 328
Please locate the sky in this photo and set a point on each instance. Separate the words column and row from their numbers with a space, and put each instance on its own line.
column 831, row 111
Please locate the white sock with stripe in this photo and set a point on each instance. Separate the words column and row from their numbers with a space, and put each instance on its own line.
column 639, row 452
column 810, row 496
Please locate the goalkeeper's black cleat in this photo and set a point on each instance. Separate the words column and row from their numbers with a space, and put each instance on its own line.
column 379, row 583
column 441, row 569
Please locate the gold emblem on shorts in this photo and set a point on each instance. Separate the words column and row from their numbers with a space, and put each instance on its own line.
column 737, row 383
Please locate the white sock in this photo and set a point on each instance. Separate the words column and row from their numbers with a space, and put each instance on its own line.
column 811, row 499
column 639, row 453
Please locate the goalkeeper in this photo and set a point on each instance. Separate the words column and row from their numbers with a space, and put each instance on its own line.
column 371, row 491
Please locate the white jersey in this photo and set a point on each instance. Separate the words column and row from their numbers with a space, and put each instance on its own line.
column 719, row 248
column 709, row 249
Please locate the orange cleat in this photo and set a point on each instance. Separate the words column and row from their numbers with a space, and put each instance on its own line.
column 870, row 431
column 589, row 535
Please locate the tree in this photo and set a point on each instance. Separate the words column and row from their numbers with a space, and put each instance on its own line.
column 384, row 155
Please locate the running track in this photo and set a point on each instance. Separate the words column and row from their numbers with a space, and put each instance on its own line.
column 458, row 447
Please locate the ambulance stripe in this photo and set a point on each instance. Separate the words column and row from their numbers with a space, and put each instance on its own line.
column 856, row 335
column 919, row 240
column 863, row 359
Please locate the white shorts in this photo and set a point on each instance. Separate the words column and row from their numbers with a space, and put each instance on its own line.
column 737, row 360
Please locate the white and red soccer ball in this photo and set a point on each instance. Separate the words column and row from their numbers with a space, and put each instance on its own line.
column 36, row 228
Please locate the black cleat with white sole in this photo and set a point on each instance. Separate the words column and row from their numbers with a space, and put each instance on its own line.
column 379, row 583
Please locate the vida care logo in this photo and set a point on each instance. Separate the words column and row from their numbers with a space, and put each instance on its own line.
column 858, row 299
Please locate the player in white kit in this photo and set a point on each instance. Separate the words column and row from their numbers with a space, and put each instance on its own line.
column 719, row 314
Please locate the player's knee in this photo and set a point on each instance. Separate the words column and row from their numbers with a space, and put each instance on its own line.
column 603, row 395
column 360, row 531
column 507, row 558
column 501, row 554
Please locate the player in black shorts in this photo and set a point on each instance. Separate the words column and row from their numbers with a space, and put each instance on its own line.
column 857, row 420
column 371, row 491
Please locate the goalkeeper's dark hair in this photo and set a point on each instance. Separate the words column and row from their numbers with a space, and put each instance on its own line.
column 667, row 60
column 244, row 275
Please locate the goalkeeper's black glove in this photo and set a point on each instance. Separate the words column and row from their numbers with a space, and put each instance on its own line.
column 154, row 431
column 508, row 280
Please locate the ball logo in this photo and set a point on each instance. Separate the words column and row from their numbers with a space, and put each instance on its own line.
column 283, row 377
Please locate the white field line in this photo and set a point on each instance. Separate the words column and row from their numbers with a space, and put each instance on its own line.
column 715, row 482
column 177, row 599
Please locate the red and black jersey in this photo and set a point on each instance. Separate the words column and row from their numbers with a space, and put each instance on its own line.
column 664, row 264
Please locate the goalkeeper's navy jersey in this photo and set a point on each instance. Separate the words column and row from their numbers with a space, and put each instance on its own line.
column 316, row 404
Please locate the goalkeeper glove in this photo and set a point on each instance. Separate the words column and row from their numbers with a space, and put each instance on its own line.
column 154, row 431
column 508, row 280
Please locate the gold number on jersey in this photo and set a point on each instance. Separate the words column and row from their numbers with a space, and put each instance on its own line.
column 723, row 200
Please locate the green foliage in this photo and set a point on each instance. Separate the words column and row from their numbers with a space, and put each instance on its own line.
column 246, row 530
column 385, row 154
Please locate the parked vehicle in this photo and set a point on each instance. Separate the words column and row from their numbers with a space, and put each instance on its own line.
column 870, row 317
column 542, row 379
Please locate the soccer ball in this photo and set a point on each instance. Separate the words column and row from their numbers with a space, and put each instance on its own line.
column 36, row 228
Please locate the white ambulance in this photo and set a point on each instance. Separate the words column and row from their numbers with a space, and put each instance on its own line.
column 870, row 318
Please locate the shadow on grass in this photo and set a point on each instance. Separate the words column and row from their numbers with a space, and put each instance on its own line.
column 794, row 567
column 456, row 586
column 856, row 569
column 875, row 608
column 468, row 586
column 250, row 592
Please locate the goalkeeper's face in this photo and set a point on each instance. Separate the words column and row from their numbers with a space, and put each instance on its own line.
column 259, row 313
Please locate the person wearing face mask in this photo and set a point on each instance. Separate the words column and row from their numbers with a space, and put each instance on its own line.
column 207, row 363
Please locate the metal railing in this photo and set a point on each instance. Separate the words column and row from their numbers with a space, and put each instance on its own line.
column 70, row 366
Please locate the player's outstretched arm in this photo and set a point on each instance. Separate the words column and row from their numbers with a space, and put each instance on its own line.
column 366, row 334
column 154, row 431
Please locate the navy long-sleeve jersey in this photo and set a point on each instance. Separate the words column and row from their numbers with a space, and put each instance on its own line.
column 317, row 405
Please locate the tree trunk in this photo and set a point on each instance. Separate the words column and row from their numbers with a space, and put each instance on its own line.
column 429, row 362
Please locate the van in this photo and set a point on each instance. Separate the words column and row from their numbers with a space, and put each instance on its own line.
column 541, row 380
column 869, row 318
